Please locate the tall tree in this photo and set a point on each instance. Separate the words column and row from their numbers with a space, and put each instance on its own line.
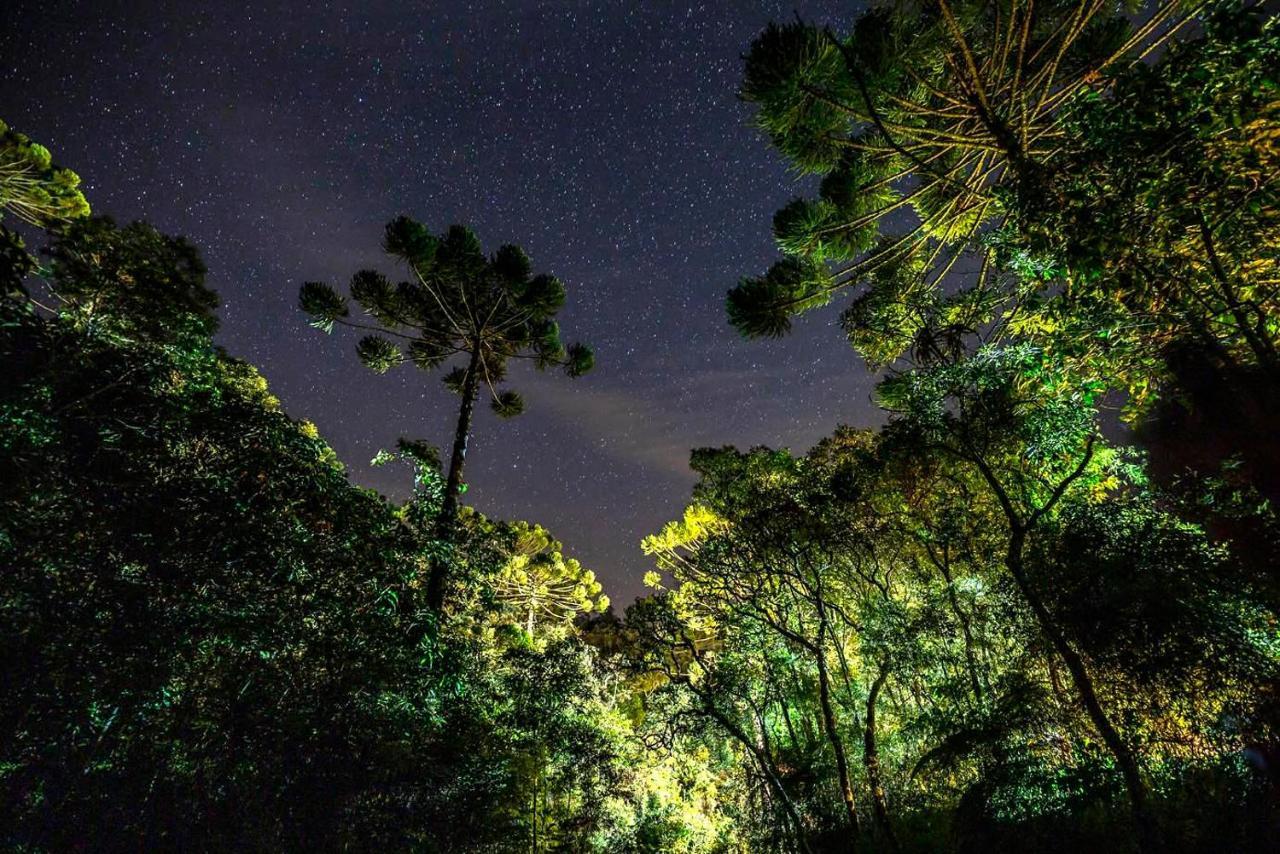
column 918, row 120
column 1028, row 430
column 541, row 585
column 459, row 302
column 771, row 552
column 1154, row 243
column 1160, row 213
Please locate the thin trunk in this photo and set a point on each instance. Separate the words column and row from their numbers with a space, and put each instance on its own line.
column 449, row 507
column 786, row 719
column 766, row 768
column 1254, row 335
column 833, row 736
column 1125, row 760
column 871, row 759
column 764, row 760
column 970, row 659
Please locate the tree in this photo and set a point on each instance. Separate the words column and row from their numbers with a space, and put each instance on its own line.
column 131, row 283
column 1152, row 600
column 1028, row 429
column 489, row 310
column 1156, row 234
column 918, row 120
column 197, row 592
column 540, row 584
column 722, row 690
column 873, row 595
column 782, row 567
column 208, row 617
column 1157, row 215
column 35, row 191
column 32, row 187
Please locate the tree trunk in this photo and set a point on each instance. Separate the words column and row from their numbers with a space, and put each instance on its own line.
column 1125, row 760
column 765, row 764
column 971, row 659
column 871, row 759
column 831, row 726
column 786, row 719
column 1255, row 336
column 445, row 524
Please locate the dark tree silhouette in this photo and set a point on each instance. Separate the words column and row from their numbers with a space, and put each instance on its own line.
column 460, row 302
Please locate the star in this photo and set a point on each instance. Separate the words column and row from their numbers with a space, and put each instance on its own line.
column 605, row 138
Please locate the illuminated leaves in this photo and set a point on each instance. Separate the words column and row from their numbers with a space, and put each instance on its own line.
column 32, row 188
column 541, row 586
column 762, row 307
column 923, row 120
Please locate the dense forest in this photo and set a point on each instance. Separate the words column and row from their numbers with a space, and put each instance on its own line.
column 1036, row 610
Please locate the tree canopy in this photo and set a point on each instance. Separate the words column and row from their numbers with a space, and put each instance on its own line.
column 488, row 310
column 999, row 621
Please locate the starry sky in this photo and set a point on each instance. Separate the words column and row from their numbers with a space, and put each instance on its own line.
column 603, row 136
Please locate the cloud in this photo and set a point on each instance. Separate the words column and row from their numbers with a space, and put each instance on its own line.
column 653, row 419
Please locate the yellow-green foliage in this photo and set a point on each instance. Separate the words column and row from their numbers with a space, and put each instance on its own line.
column 32, row 188
column 540, row 586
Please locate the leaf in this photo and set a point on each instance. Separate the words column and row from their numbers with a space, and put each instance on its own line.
column 579, row 359
column 322, row 304
column 378, row 354
column 455, row 380
column 509, row 404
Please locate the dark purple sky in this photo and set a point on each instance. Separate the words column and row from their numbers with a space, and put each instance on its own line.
column 604, row 137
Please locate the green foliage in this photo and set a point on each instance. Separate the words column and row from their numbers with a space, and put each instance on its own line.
column 508, row 404
column 458, row 302
column 32, row 188
column 195, row 588
column 216, row 639
column 378, row 354
column 886, row 571
column 539, row 585
column 322, row 304
column 1157, row 211
column 981, row 627
column 762, row 307
column 15, row 264
column 131, row 282
column 920, row 118
column 1151, row 597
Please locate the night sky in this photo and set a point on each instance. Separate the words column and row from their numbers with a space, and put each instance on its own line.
column 605, row 138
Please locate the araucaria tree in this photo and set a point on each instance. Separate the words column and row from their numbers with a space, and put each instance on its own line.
column 35, row 191
column 542, row 586
column 459, row 302
column 32, row 188
column 920, row 121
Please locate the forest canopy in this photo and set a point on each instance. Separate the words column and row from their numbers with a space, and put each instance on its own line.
column 1004, row 620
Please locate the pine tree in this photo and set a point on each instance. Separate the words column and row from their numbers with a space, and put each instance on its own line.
column 459, row 305
column 919, row 121
column 32, row 188
column 541, row 585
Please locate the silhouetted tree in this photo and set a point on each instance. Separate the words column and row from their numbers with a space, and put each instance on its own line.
column 488, row 310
